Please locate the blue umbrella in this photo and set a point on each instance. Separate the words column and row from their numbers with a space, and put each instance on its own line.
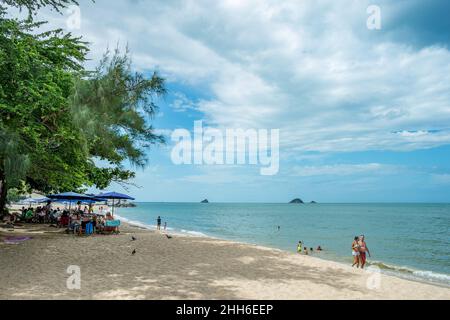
column 42, row 200
column 71, row 197
column 114, row 196
column 28, row 201
column 32, row 200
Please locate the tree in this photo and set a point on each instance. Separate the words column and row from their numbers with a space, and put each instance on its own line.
column 57, row 120
column 113, row 104
column 36, row 79
column 34, row 5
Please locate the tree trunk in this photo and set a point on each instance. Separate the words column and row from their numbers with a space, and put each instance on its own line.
column 3, row 193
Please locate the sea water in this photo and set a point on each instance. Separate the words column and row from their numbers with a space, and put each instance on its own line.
column 407, row 240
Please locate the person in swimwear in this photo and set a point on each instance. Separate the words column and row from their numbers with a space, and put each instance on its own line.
column 300, row 247
column 363, row 249
column 355, row 252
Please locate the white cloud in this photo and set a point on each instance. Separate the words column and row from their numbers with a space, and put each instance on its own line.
column 343, row 169
column 442, row 179
column 182, row 103
column 310, row 69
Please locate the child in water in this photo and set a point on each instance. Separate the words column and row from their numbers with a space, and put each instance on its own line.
column 299, row 247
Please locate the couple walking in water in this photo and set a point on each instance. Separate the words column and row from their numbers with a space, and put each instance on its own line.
column 359, row 251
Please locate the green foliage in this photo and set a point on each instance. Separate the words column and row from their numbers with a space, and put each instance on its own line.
column 15, row 195
column 57, row 121
column 37, row 74
column 113, row 105
column 34, row 5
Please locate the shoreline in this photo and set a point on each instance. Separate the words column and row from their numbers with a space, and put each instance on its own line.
column 184, row 267
column 401, row 272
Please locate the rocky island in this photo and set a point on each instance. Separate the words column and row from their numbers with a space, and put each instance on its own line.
column 205, row 201
column 297, row 201
column 126, row 205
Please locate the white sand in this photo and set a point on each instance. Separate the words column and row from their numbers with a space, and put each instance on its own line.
column 182, row 268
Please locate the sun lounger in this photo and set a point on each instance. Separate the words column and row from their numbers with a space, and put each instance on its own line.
column 111, row 226
column 64, row 222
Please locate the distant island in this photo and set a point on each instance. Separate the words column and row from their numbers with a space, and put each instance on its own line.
column 126, row 205
column 205, row 201
column 300, row 201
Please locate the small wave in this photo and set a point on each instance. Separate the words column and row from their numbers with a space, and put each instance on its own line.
column 428, row 276
column 434, row 276
column 194, row 233
column 385, row 266
column 136, row 223
column 153, row 227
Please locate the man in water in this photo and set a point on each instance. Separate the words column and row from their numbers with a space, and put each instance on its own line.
column 158, row 223
column 362, row 251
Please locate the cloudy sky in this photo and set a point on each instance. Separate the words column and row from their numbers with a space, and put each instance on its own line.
column 364, row 115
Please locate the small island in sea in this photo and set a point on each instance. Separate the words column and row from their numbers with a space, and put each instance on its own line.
column 126, row 205
column 297, row 201
column 205, row 201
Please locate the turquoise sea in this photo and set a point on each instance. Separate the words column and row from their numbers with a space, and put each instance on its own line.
column 407, row 240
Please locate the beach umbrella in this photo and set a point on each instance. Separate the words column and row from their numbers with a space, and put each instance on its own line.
column 70, row 197
column 28, row 201
column 114, row 196
column 42, row 200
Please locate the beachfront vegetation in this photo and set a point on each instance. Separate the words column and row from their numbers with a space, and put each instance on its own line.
column 64, row 128
column 34, row 5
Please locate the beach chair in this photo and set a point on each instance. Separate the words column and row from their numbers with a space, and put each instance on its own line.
column 111, row 226
column 64, row 222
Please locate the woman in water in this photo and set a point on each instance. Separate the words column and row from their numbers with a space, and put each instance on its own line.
column 355, row 252
column 363, row 250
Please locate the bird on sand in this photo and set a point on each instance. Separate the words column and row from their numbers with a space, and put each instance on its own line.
column 168, row 237
column 133, row 238
column 134, row 252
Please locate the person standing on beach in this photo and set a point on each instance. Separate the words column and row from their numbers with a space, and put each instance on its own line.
column 158, row 223
column 165, row 226
column 362, row 251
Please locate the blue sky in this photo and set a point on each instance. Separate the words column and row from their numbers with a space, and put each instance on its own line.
column 364, row 115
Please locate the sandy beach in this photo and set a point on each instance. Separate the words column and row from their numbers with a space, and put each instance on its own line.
column 182, row 267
